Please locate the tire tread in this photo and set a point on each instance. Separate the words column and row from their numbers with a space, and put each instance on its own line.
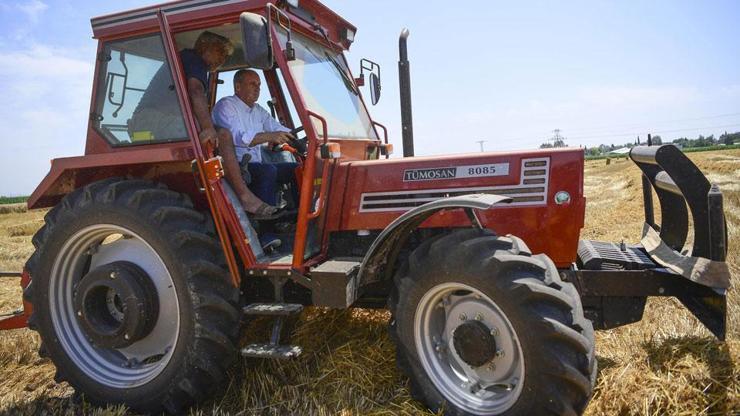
column 568, row 381
column 215, row 312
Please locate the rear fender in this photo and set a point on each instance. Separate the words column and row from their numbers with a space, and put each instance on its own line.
column 384, row 249
column 170, row 165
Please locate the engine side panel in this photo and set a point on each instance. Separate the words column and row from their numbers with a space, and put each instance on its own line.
column 378, row 191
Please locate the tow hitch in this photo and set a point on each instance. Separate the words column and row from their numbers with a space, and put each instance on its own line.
column 19, row 318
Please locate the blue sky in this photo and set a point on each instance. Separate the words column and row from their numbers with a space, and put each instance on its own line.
column 505, row 72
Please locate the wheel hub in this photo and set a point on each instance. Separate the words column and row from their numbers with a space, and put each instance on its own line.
column 474, row 343
column 116, row 304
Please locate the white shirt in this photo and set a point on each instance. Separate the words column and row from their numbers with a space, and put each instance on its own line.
column 244, row 123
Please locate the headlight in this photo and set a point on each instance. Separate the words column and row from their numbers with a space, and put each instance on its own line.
column 348, row 34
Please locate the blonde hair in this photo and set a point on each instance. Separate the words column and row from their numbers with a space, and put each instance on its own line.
column 208, row 39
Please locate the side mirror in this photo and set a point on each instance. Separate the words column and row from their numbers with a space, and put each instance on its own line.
column 374, row 69
column 256, row 41
column 374, row 88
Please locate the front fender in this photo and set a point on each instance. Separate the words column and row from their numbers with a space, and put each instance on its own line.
column 395, row 234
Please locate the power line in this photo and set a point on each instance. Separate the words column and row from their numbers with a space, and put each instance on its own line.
column 529, row 139
column 654, row 132
column 556, row 139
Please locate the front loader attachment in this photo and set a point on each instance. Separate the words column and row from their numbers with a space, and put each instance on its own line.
column 678, row 183
column 614, row 280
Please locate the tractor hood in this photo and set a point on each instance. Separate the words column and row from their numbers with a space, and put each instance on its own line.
column 546, row 188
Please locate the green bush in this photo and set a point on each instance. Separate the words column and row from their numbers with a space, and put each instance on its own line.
column 12, row 199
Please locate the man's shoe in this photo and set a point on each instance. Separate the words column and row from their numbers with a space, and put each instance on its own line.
column 266, row 212
column 284, row 227
column 270, row 243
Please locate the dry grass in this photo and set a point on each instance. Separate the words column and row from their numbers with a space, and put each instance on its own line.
column 12, row 208
column 666, row 364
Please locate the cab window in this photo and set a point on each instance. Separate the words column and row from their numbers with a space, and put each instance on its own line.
column 136, row 101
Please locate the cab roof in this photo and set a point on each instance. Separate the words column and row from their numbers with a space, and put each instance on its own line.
column 192, row 14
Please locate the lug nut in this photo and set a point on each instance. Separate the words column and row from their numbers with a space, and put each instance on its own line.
column 494, row 331
column 79, row 313
column 499, row 353
column 126, row 337
column 491, row 367
column 478, row 317
column 113, row 275
column 463, row 317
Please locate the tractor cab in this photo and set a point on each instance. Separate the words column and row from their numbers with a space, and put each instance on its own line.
column 298, row 55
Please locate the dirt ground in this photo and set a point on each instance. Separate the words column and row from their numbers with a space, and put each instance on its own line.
column 667, row 364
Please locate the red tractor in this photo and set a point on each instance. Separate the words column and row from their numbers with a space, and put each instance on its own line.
column 147, row 263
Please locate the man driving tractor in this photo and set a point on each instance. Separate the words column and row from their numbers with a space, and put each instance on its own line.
column 251, row 126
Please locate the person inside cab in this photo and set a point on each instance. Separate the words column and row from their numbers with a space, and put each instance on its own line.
column 159, row 116
column 252, row 127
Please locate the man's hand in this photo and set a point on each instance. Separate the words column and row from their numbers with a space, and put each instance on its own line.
column 208, row 135
column 281, row 137
column 274, row 138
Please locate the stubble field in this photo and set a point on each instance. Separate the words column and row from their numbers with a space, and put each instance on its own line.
column 667, row 364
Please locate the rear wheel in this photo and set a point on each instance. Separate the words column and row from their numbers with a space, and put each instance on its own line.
column 483, row 327
column 131, row 298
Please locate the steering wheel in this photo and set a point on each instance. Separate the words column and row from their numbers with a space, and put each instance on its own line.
column 300, row 145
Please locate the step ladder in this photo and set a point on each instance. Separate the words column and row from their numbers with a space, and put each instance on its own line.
column 279, row 311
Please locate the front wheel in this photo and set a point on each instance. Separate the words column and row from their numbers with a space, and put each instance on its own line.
column 483, row 327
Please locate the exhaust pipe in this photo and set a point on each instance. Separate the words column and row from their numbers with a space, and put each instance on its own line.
column 404, row 84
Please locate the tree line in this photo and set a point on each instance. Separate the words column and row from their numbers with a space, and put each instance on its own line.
column 684, row 142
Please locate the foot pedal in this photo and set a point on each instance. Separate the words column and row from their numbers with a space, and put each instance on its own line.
column 271, row 351
column 273, row 309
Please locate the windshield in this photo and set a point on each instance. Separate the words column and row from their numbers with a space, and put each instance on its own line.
column 328, row 89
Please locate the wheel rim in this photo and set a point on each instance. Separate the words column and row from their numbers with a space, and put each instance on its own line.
column 140, row 362
column 490, row 388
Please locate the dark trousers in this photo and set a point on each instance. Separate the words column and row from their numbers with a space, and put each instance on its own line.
column 267, row 176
